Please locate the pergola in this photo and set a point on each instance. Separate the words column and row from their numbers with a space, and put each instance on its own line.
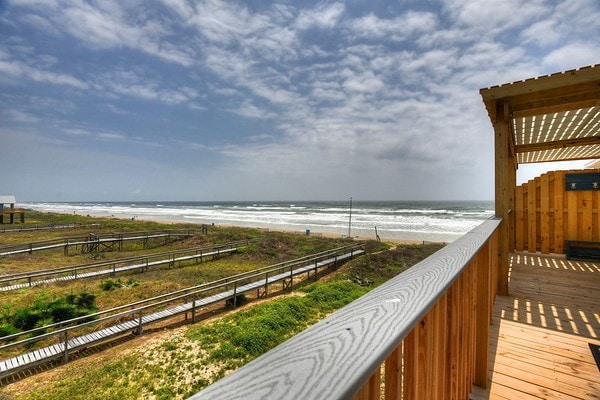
column 549, row 118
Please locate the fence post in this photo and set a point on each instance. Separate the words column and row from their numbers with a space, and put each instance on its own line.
column 234, row 294
column 266, row 283
column 139, row 330
column 66, row 350
column 194, row 311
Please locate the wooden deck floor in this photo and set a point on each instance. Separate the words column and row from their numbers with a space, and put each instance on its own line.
column 540, row 334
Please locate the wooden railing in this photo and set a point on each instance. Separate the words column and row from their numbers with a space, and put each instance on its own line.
column 422, row 335
column 94, row 241
column 141, row 263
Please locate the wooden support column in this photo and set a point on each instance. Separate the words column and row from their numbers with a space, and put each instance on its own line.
column 505, row 189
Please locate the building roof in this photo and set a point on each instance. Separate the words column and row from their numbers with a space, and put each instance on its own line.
column 552, row 118
column 7, row 199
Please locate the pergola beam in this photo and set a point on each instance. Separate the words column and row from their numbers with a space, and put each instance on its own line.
column 559, row 144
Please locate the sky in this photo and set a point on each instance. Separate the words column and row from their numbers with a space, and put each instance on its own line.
column 210, row 100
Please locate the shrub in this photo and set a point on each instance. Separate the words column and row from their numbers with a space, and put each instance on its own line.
column 26, row 318
column 109, row 284
column 7, row 329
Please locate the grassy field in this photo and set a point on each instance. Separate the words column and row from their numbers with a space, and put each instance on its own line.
column 176, row 361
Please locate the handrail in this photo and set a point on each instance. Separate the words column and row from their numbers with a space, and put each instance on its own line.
column 74, row 269
column 18, row 248
column 429, row 309
column 138, row 306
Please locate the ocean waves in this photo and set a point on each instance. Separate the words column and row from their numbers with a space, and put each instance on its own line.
column 435, row 221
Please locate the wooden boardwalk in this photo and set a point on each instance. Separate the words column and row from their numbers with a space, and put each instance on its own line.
column 91, row 242
column 111, row 271
column 540, row 333
column 62, row 349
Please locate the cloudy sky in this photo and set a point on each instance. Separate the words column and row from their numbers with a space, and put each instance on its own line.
column 256, row 100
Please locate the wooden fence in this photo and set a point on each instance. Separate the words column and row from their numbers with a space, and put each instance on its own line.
column 546, row 214
column 422, row 335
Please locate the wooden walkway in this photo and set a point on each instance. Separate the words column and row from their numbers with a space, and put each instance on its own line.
column 62, row 349
column 540, row 333
column 91, row 242
column 111, row 271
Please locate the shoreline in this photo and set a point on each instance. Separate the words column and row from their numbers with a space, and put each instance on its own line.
column 269, row 227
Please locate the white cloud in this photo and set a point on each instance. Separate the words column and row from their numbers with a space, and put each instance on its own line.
column 20, row 116
column 324, row 16
column 20, row 70
column 572, row 56
column 492, row 16
column 400, row 28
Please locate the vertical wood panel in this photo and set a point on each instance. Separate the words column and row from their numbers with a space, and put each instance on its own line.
column 425, row 356
column 559, row 189
column 439, row 349
column 544, row 214
column 393, row 375
column 586, row 215
column 454, row 343
column 519, row 219
column 483, row 308
column 531, row 217
column 371, row 389
column 472, row 270
column 596, row 225
column 410, row 365
column 571, row 215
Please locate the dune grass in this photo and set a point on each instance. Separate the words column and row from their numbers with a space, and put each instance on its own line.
column 178, row 362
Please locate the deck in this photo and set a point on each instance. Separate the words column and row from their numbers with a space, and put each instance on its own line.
column 540, row 335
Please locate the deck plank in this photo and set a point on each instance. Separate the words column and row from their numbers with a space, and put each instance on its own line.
column 540, row 332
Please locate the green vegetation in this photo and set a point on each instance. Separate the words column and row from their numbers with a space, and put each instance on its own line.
column 179, row 362
column 185, row 363
column 45, row 312
column 376, row 268
column 111, row 284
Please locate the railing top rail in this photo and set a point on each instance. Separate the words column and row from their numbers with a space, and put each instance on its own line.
column 70, row 268
column 335, row 357
column 105, row 235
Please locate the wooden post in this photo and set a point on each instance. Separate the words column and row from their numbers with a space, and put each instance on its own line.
column 194, row 311
column 66, row 348
column 504, row 168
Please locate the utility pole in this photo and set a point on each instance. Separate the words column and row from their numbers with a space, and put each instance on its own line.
column 350, row 218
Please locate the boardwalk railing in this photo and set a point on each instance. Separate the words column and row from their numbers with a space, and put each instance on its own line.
column 93, row 242
column 51, row 227
column 111, row 267
column 422, row 335
column 82, row 332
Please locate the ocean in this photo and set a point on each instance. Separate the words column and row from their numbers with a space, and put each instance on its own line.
column 438, row 221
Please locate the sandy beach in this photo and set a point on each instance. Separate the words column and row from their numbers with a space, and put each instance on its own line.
column 331, row 233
